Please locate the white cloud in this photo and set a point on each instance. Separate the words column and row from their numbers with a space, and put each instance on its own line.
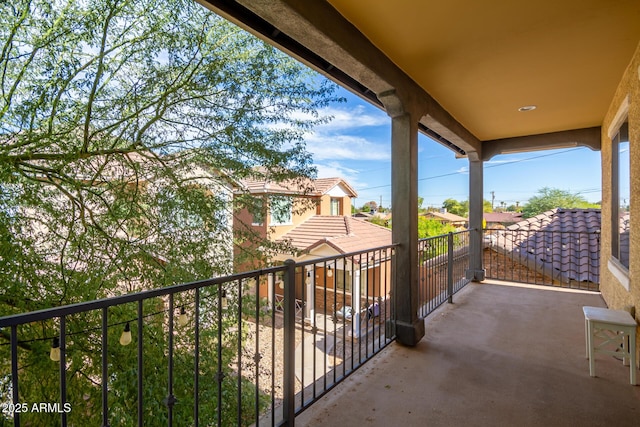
column 463, row 170
column 345, row 147
column 354, row 118
column 335, row 169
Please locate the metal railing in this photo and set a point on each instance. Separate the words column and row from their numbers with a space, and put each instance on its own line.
column 566, row 259
column 255, row 348
column 443, row 263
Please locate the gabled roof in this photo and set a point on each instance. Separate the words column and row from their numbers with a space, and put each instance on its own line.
column 345, row 234
column 324, row 185
column 315, row 187
column 446, row 216
column 502, row 216
column 564, row 243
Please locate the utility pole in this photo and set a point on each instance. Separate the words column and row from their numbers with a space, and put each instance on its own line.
column 493, row 198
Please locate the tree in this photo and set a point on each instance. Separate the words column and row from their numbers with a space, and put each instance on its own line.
column 550, row 198
column 461, row 208
column 369, row 206
column 431, row 227
column 456, row 207
column 99, row 101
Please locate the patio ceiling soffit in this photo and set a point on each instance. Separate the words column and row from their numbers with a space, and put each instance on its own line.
column 317, row 35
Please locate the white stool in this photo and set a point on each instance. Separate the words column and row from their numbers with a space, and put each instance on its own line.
column 614, row 326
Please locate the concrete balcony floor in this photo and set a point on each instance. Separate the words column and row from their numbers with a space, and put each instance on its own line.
column 503, row 354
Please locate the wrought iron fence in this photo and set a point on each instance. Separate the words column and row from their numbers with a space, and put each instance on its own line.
column 252, row 348
column 444, row 261
column 566, row 259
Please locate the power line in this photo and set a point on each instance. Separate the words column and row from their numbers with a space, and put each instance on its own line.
column 486, row 167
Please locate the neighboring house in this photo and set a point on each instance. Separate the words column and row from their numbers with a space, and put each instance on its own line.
column 323, row 227
column 363, row 215
column 563, row 244
column 501, row 219
column 286, row 205
column 167, row 221
column 367, row 275
column 447, row 218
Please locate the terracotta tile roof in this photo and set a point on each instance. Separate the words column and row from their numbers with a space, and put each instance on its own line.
column 502, row 217
column 563, row 242
column 447, row 216
column 345, row 234
column 316, row 187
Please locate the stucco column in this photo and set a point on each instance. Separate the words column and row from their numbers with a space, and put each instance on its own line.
column 476, row 186
column 409, row 328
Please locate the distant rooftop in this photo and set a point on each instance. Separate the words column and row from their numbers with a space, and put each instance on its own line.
column 315, row 187
column 559, row 242
column 502, row 217
column 343, row 233
column 446, row 216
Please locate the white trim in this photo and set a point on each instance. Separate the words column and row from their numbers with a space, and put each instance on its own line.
column 619, row 272
column 619, row 118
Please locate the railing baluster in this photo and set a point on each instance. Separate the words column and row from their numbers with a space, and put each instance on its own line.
column 450, row 267
column 239, row 351
column 170, row 399
column 14, row 373
column 105, row 382
column 289, row 343
column 63, row 370
column 273, row 353
column 257, row 355
column 196, row 361
column 140, row 366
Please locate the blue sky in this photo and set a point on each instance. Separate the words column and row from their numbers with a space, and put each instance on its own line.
column 356, row 146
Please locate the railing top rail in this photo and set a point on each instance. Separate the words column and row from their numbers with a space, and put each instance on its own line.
column 65, row 310
column 455, row 233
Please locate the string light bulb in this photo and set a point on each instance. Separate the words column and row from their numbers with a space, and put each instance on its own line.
column 54, row 354
column 225, row 302
column 125, row 338
column 329, row 271
column 183, row 319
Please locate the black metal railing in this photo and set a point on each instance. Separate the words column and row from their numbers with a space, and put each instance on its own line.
column 443, row 263
column 566, row 259
column 254, row 348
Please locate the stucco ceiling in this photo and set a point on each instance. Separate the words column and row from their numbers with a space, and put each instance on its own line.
column 483, row 60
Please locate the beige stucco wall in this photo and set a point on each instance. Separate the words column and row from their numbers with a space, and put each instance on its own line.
column 345, row 206
column 614, row 293
column 305, row 209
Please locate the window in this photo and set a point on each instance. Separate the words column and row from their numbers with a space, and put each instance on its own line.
column 335, row 206
column 620, row 195
column 280, row 210
column 257, row 211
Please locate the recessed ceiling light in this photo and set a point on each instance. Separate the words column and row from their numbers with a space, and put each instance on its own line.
column 527, row 108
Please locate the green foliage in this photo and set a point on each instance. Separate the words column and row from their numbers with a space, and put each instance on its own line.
column 431, row 227
column 380, row 221
column 456, row 207
column 551, row 198
column 118, row 120
column 461, row 208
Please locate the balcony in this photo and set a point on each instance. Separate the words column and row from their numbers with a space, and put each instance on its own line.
column 503, row 354
column 294, row 344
